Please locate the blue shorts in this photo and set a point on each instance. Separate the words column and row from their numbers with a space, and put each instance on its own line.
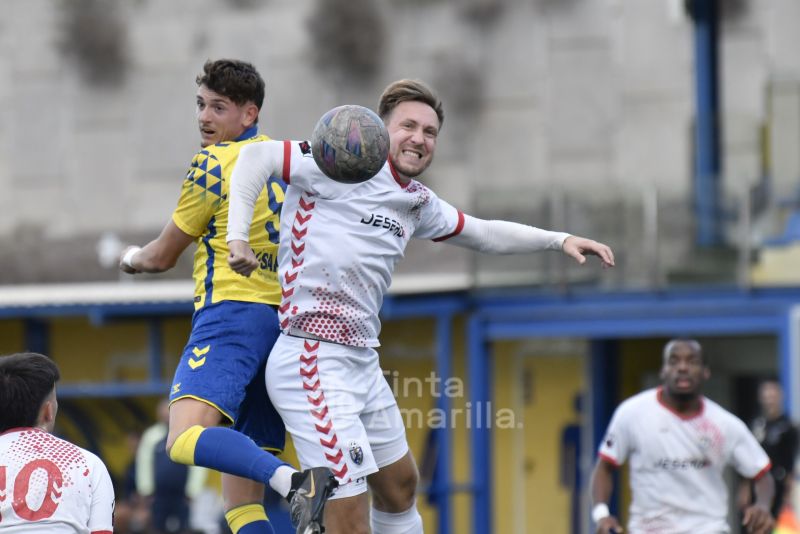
column 223, row 365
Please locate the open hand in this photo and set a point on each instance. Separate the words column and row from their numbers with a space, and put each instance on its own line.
column 577, row 247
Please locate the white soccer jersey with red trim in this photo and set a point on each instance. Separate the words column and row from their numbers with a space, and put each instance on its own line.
column 50, row 485
column 677, row 463
column 341, row 242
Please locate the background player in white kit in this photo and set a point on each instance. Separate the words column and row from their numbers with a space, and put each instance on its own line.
column 339, row 245
column 46, row 484
column 679, row 443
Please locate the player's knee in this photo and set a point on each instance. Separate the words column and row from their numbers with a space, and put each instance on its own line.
column 181, row 445
column 407, row 486
column 187, row 413
column 171, row 437
column 400, row 495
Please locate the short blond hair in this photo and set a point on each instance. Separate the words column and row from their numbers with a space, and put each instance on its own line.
column 407, row 90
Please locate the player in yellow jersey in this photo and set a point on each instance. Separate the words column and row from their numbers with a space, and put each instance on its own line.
column 220, row 378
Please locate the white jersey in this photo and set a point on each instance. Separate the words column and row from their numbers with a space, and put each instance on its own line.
column 677, row 463
column 340, row 244
column 50, row 485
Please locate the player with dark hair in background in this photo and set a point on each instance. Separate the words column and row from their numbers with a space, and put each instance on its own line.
column 220, row 378
column 678, row 443
column 47, row 484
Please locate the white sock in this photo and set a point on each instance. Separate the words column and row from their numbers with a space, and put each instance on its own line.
column 408, row 522
column 281, row 480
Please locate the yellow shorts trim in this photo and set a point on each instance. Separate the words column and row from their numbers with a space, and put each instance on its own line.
column 205, row 401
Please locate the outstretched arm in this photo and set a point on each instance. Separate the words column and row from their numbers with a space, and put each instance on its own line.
column 256, row 163
column 602, row 487
column 757, row 517
column 158, row 255
column 504, row 237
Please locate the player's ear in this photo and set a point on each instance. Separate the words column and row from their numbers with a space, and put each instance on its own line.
column 706, row 373
column 47, row 413
column 250, row 114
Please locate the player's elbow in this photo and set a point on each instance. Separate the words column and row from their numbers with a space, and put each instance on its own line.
column 159, row 261
column 164, row 263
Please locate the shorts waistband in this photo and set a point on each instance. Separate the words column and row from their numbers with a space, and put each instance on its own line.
column 296, row 332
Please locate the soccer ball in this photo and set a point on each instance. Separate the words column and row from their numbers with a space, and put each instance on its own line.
column 350, row 144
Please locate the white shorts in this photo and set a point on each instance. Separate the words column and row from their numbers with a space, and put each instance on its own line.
column 338, row 407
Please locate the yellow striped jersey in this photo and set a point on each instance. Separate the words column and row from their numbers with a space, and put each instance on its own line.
column 202, row 212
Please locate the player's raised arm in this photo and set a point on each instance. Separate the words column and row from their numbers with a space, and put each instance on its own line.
column 504, row 237
column 256, row 163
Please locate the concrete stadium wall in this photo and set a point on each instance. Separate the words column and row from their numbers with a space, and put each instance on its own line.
column 590, row 97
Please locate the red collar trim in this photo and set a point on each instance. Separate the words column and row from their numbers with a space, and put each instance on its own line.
column 684, row 416
column 396, row 176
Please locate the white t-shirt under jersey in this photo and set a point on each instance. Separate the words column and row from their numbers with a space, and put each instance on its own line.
column 50, row 485
column 677, row 463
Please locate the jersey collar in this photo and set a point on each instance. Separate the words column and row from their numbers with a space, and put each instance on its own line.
column 684, row 416
column 248, row 133
column 396, row 176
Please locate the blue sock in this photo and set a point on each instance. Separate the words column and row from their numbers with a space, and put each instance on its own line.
column 257, row 527
column 226, row 450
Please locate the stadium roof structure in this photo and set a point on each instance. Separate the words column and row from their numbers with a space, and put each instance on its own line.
column 96, row 300
column 157, row 297
column 74, row 294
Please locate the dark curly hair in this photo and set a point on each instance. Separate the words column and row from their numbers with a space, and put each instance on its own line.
column 237, row 80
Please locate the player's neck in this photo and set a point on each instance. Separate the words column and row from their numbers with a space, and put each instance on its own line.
column 399, row 177
column 684, row 405
column 402, row 179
